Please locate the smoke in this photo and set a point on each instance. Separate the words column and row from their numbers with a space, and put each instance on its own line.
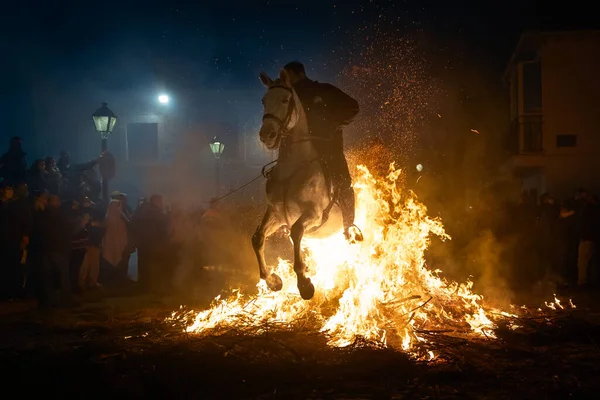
column 485, row 257
column 431, row 101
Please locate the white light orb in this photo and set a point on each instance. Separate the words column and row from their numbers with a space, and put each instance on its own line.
column 163, row 99
column 419, row 167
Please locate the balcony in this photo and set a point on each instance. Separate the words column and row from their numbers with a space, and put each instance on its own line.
column 526, row 137
column 526, row 132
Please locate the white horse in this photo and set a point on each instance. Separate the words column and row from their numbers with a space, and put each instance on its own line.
column 298, row 194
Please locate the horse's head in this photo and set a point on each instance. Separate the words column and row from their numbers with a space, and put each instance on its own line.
column 279, row 109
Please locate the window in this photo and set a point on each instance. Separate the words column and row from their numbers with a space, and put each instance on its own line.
column 514, row 95
column 566, row 140
column 532, row 87
column 142, row 143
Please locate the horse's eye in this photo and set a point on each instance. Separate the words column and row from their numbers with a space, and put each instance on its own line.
column 285, row 101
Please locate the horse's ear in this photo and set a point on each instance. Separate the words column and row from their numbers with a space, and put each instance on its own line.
column 285, row 78
column 264, row 78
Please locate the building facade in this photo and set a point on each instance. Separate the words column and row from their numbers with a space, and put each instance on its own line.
column 554, row 80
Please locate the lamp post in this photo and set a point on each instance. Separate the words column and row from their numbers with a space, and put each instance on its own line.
column 104, row 121
column 217, row 148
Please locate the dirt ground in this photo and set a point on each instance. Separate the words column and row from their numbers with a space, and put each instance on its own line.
column 122, row 347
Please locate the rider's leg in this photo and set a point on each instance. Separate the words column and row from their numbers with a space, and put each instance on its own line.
column 346, row 192
column 346, row 198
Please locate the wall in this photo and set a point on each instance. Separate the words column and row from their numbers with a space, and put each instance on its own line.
column 571, row 88
column 571, row 102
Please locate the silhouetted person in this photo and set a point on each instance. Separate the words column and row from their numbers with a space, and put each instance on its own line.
column 35, row 258
column 53, row 176
column 75, row 175
column 328, row 109
column 56, row 234
column 587, row 227
column 13, row 164
column 14, row 238
column 151, row 238
column 37, row 177
column 548, row 235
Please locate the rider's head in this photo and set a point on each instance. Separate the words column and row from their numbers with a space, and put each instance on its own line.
column 296, row 71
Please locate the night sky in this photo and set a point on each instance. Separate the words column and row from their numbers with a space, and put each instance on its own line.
column 193, row 47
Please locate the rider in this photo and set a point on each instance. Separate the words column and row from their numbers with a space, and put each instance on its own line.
column 328, row 109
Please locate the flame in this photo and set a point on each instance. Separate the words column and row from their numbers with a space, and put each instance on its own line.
column 378, row 290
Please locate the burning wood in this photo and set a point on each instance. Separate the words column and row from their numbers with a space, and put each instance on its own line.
column 379, row 291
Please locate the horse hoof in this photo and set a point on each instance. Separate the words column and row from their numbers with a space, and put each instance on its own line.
column 307, row 289
column 274, row 282
column 353, row 234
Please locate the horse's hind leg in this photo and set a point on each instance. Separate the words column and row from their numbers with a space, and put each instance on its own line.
column 267, row 227
column 305, row 286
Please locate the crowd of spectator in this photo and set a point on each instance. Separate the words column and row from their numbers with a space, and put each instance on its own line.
column 58, row 239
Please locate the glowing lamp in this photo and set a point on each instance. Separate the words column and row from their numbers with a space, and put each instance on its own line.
column 163, row 99
column 104, row 120
column 217, row 147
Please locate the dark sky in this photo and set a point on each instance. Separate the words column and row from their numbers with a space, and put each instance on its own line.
column 204, row 45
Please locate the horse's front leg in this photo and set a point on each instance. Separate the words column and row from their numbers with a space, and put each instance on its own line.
column 267, row 227
column 305, row 286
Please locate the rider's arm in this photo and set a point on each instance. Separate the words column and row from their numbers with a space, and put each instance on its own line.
column 340, row 106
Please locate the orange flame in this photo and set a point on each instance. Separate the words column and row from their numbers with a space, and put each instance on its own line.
column 378, row 290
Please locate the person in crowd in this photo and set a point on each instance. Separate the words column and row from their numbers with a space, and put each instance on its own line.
column 179, row 228
column 56, row 234
column 90, row 184
column 548, row 237
column 151, row 238
column 13, row 164
column 127, row 211
column 568, row 242
column 37, row 177
column 79, row 180
column 35, row 254
column 78, row 220
column 128, row 215
column 87, row 205
column 115, row 241
column 14, row 239
column 53, row 176
column 587, row 225
column 64, row 162
column 90, row 268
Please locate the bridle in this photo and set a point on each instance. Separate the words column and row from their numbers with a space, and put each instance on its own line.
column 284, row 124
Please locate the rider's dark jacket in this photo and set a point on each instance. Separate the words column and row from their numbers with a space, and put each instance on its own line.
column 327, row 110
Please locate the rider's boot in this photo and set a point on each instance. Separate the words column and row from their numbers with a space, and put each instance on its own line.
column 347, row 206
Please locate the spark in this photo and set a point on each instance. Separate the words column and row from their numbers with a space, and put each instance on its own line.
column 379, row 290
column 384, row 292
column 391, row 77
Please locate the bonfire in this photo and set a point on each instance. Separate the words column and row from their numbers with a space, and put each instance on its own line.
column 378, row 291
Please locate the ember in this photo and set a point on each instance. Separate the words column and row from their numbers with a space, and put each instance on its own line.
column 379, row 291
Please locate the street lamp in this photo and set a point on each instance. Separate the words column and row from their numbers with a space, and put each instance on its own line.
column 217, row 148
column 104, row 121
column 163, row 99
